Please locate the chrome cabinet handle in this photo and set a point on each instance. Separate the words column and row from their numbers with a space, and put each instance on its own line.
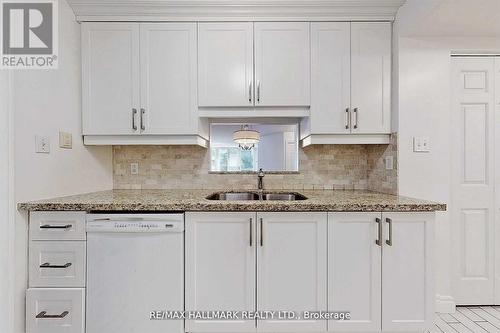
column 251, row 233
column 134, row 125
column 250, row 92
column 143, row 125
column 379, row 240
column 258, row 91
column 48, row 226
column 356, row 118
column 347, row 118
column 389, row 241
column 44, row 315
column 261, row 232
column 48, row 265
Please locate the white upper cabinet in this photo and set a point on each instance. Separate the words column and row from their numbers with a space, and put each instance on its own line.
column 350, row 83
column 291, row 274
column 371, row 77
column 354, row 271
column 282, row 64
column 225, row 58
column 230, row 53
column 331, row 77
column 168, row 78
column 140, row 79
column 110, row 78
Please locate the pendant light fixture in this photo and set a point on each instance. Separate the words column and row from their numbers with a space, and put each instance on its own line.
column 246, row 138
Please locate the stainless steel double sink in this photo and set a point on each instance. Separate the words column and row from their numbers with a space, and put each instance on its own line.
column 256, row 196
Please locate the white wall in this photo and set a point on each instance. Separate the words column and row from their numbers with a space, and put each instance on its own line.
column 424, row 110
column 44, row 102
column 6, row 206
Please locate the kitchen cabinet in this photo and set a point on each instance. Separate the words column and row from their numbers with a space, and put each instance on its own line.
column 225, row 251
column 385, row 280
column 282, row 64
column 220, row 268
column 291, row 256
column 407, row 284
column 139, row 84
column 354, row 271
column 229, row 52
column 350, row 83
column 110, row 78
column 225, row 60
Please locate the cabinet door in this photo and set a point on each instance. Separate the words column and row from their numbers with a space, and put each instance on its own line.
column 371, row 77
column 330, row 77
column 282, row 64
column 291, row 272
column 110, row 71
column 407, row 284
column 225, row 64
column 354, row 271
column 168, row 78
column 220, row 268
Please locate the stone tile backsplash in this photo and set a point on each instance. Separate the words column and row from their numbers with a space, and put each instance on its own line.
column 321, row 167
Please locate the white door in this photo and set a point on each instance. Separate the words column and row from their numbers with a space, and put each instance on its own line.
column 473, row 179
column 220, row 268
column 110, row 70
column 282, row 64
column 330, row 77
column 407, row 279
column 168, row 78
column 225, row 64
column 497, row 180
column 291, row 271
column 371, row 77
column 354, row 270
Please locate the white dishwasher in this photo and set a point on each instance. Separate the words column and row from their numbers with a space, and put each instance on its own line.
column 135, row 265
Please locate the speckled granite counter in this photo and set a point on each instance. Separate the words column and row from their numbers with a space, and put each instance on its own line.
column 195, row 200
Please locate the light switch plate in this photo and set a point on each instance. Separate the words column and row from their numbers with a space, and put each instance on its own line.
column 65, row 140
column 42, row 144
column 421, row 144
column 134, row 168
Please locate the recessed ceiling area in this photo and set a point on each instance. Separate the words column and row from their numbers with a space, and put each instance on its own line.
column 467, row 18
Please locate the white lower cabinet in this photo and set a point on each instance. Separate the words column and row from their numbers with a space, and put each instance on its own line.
column 380, row 270
column 55, row 310
column 220, row 268
column 256, row 262
column 354, row 271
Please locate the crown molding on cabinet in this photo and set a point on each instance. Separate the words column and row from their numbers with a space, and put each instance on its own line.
column 235, row 10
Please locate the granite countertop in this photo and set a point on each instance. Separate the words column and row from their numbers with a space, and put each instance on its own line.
column 195, row 200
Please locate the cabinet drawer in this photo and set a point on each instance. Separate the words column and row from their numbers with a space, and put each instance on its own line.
column 57, row 264
column 57, row 226
column 55, row 310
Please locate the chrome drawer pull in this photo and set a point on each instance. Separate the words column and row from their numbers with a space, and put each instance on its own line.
column 389, row 241
column 379, row 240
column 48, row 226
column 48, row 265
column 44, row 315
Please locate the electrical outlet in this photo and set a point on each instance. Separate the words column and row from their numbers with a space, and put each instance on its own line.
column 421, row 145
column 65, row 140
column 134, row 168
column 389, row 162
column 42, row 144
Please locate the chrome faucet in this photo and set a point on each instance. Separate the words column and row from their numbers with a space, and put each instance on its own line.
column 261, row 178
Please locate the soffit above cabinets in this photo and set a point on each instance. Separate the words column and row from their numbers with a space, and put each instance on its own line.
column 235, row 10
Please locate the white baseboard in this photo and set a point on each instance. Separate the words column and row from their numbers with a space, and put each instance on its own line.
column 445, row 304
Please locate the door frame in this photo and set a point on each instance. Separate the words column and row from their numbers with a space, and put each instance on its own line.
column 6, row 203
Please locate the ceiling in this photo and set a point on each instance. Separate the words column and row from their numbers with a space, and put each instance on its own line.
column 453, row 18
